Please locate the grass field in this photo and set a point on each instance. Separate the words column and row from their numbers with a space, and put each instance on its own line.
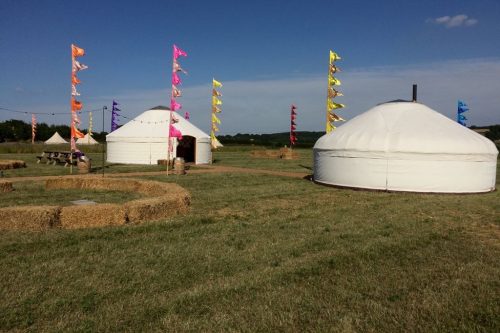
column 266, row 253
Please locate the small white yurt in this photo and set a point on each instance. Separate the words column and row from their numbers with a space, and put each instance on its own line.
column 406, row 146
column 87, row 140
column 144, row 140
column 55, row 139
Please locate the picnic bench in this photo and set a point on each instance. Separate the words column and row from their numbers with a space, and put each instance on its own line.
column 58, row 157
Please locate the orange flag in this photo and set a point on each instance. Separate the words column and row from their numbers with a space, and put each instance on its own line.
column 75, row 133
column 75, row 80
column 77, row 52
column 75, row 105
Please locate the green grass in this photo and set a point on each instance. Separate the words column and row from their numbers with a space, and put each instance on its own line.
column 264, row 253
column 34, row 193
column 241, row 158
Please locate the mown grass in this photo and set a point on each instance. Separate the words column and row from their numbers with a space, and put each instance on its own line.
column 265, row 253
column 34, row 193
column 242, row 158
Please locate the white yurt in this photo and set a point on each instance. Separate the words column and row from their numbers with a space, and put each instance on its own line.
column 406, row 146
column 144, row 140
column 87, row 140
column 55, row 139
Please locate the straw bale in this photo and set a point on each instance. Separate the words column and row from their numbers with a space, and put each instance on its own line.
column 151, row 209
column 5, row 186
column 12, row 164
column 33, row 218
column 265, row 153
column 76, row 217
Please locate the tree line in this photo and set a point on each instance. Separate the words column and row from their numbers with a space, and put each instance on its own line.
column 17, row 131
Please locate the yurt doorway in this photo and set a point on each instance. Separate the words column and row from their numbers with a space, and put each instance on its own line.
column 186, row 148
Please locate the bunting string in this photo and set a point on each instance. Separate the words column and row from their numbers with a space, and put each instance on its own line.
column 215, row 109
column 114, row 116
column 331, row 106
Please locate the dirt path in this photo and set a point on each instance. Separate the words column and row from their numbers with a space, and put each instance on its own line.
column 200, row 169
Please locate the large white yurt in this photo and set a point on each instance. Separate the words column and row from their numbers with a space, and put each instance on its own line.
column 87, row 140
column 55, row 139
column 406, row 146
column 144, row 140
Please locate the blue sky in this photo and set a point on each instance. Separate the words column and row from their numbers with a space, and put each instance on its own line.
column 268, row 54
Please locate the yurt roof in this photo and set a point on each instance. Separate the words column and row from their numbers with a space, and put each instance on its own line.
column 152, row 126
column 56, row 138
column 406, row 127
column 87, row 140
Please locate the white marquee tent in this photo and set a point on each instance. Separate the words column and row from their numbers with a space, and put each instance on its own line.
column 406, row 146
column 55, row 139
column 87, row 140
column 143, row 140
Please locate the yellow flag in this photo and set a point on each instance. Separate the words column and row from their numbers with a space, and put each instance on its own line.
column 216, row 83
column 216, row 101
column 215, row 119
column 329, row 127
column 334, row 56
column 333, row 81
column 215, row 128
column 332, row 105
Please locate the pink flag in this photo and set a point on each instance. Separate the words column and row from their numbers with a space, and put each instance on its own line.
column 174, row 132
column 174, row 106
column 175, row 78
column 186, row 115
column 178, row 52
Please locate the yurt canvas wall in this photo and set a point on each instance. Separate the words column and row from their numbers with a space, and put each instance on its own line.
column 406, row 146
column 144, row 140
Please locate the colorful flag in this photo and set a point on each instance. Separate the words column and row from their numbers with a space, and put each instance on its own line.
column 74, row 79
column 332, row 105
column 76, row 51
column 216, row 101
column 215, row 119
column 333, row 81
column 187, row 115
column 178, row 68
column 215, row 109
column 174, row 132
column 73, row 91
column 76, row 105
column 174, row 106
column 178, row 52
column 216, row 83
column 334, row 56
column 216, row 93
column 176, row 92
column 77, row 66
column 332, row 93
column 176, row 79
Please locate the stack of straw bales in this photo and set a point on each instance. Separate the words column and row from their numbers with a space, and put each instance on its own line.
column 163, row 200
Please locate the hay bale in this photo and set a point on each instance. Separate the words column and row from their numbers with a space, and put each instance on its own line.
column 33, row 218
column 5, row 186
column 12, row 164
column 158, row 208
column 76, row 217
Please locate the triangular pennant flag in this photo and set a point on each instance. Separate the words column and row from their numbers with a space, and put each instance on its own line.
column 215, row 119
column 216, row 83
column 75, row 80
column 176, row 92
column 75, row 133
column 216, row 93
column 215, row 109
column 216, row 101
column 215, row 128
column 333, row 81
column 332, row 93
column 186, row 115
column 178, row 68
column 334, row 56
column 293, row 127
column 76, row 51
column 77, row 66
column 176, row 79
column 174, row 106
column 178, row 52
column 334, row 69
column 73, row 91
column 334, row 117
column 332, row 106
column 76, row 105
column 174, row 132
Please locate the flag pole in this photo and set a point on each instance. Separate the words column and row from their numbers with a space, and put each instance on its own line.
column 104, row 143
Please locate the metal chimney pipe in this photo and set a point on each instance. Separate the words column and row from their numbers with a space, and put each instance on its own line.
column 414, row 98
